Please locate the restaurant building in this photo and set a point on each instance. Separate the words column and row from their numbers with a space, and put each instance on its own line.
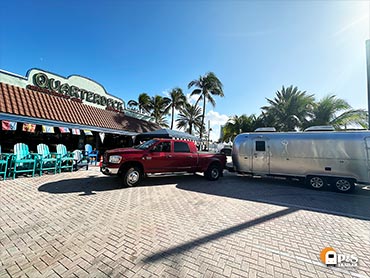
column 44, row 107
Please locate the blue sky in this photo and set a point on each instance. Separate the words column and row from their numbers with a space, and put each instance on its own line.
column 254, row 47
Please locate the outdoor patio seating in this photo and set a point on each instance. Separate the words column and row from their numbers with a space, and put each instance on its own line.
column 80, row 160
column 4, row 160
column 65, row 158
column 92, row 154
column 45, row 159
column 22, row 161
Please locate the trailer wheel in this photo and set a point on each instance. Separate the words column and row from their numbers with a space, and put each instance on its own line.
column 344, row 185
column 316, row 182
column 213, row 172
column 132, row 177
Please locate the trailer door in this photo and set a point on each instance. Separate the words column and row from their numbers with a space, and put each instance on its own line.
column 261, row 157
column 367, row 140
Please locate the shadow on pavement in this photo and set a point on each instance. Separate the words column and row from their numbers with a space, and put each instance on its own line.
column 87, row 186
column 289, row 194
column 294, row 196
column 212, row 237
column 271, row 191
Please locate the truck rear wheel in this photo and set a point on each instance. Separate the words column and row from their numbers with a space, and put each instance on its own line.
column 132, row 177
column 344, row 185
column 316, row 182
column 213, row 172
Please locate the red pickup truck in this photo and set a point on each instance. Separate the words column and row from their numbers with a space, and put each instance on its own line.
column 160, row 156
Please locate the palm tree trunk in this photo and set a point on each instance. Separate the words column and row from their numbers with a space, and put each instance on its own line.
column 204, row 112
column 173, row 112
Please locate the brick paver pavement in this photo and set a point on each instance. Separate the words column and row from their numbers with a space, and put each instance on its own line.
column 82, row 224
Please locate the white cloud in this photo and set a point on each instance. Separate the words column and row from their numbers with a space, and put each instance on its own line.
column 192, row 99
column 166, row 93
column 216, row 120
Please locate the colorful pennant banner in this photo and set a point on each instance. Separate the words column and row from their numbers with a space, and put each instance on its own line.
column 76, row 131
column 64, row 130
column 29, row 127
column 47, row 129
column 87, row 132
column 7, row 125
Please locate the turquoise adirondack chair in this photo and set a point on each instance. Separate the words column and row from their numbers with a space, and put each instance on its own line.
column 22, row 161
column 4, row 160
column 65, row 158
column 45, row 160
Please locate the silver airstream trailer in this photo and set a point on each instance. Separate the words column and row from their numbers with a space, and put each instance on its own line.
column 338, row 159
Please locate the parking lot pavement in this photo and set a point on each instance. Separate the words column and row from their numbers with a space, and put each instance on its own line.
column 82, row 224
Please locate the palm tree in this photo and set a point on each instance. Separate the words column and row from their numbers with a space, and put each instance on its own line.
column 158, row 107
column 206, row 86
column 190, row 116
column 162, row 121
column 178, row 99
column 237, row 125
column 143, row 103
column 325, row 112
column 264, row 120
column 291, row 108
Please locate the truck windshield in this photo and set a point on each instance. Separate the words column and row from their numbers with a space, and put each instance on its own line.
column 146, row 145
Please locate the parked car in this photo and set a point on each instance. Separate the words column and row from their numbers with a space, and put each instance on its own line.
column 161, row 156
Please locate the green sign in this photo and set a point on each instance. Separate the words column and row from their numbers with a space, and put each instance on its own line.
column 55, row 87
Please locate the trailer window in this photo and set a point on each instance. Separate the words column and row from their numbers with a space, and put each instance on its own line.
column 260, row 146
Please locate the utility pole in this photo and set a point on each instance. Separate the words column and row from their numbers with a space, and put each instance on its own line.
column 209, row 133
column 368, row 80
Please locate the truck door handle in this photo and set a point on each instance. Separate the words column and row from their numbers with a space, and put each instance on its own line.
column 190, row 156
column 168, row 156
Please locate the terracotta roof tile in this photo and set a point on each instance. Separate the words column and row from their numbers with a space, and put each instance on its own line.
column 45, row 110
column 25, row 102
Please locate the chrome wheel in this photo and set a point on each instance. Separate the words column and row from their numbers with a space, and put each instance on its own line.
column 343, row 185
column 317, row 182
column 132, row 177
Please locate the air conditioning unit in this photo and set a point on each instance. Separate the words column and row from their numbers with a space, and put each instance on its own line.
column 320, row 128
column 265, row 129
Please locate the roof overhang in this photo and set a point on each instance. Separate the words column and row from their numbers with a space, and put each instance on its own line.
column 31, row 120
column 168, row 133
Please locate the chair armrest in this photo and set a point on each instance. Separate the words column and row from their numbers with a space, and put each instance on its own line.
column 34, row 155
column 5, row 156
column 39, row 156
column 70, row 154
